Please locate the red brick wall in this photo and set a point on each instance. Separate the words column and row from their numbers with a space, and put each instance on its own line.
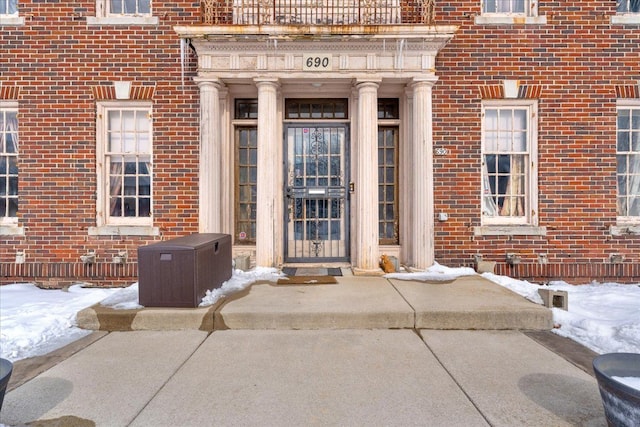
column 577, row 58
column 55, row 60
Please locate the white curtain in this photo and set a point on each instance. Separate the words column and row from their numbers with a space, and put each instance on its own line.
column 512, row 205
column 634, row 185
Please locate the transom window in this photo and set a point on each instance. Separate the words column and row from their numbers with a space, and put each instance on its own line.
column 508, row 159
column 125, row 151
column 8, row 165
column 129, row 7
column 8, row 7
column 316, row 109
column 628, row 162
column 388, row 137
column 628, row 6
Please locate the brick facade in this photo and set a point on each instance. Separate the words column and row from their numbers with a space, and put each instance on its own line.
column 576, row 65
column 577, row 60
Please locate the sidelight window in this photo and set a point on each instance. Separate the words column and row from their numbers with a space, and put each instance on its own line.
column 388, row 137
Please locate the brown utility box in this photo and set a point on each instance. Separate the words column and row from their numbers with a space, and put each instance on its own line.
column 178, row 272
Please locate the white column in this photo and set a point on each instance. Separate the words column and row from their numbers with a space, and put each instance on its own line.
column 366, row 180
column 269, row 198
column 422, row 168
column 210, row 179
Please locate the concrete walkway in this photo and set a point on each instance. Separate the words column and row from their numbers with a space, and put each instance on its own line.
column 309, row 378
column 355, row 302
column 365, row 351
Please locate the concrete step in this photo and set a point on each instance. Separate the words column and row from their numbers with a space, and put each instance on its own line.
column 355, row 302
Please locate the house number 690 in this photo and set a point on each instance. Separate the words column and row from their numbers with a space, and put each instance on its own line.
column 316, row 62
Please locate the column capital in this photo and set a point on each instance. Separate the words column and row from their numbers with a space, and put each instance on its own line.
column 423, row 82
column 367, row 82
column 209, row 83
column 267, row 81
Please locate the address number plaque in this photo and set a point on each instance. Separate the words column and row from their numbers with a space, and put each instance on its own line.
column 316, row 62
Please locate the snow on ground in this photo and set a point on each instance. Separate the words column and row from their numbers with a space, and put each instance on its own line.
column 35, row 321
column 604, row 317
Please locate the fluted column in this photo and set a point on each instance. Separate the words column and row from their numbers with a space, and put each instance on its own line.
column 422, row 170
column 366, row 182
column 210, row 179
column 269, row 192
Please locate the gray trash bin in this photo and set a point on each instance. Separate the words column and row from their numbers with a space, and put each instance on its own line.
column 178, row 272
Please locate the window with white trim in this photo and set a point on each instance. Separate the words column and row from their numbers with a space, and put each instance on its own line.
column 8, row 165
column 628, row 6
column 123, row 12
column 124, row 150
column 508, row 7
column 509, row 158
column 8, row 7
column 628, row 162
column 500, row 12
column 9, row 13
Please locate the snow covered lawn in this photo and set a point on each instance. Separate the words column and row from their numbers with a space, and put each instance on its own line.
column 604, row 317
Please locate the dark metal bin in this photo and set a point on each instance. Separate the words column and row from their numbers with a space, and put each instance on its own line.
column 178, row 272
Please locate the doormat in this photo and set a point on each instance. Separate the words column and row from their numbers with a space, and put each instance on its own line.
column 293, row 271
column 307, row 280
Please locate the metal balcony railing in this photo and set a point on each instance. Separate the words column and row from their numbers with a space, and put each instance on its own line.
column 317, row 12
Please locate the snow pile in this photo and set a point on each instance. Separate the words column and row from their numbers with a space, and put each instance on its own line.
column 435, row 273
column 240, row 281
column 602, row 316
column 35, row 321
column 123, row 299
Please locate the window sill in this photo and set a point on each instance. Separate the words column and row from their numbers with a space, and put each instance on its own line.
column 626, row 19
column 509, row 230
column 122, row 20
column 11, row 20
column 510, row 20
column 124, row 230
column 625, row 230
column 11, row 230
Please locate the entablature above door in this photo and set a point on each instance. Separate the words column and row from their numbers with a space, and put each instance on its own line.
column 404, row 52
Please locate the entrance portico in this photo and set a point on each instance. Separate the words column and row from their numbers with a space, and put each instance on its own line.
column 275, row 64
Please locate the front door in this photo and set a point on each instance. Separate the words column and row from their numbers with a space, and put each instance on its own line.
column 316, row 199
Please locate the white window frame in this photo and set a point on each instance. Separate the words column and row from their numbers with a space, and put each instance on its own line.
column 626, row 104
column 9, row 226
column 105, row 223
column 626, row 18
column 530, row 218
column 11, row 18
column 529, row 16
column 104, row 17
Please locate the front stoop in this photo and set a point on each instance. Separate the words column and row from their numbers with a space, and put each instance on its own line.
column 469, row 302
column 472, row 302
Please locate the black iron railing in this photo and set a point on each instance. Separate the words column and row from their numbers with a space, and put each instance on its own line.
column 317, row 12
